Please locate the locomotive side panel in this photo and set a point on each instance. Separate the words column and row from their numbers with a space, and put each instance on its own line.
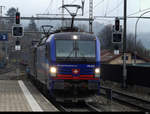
column 41, row 64
column 32, row 61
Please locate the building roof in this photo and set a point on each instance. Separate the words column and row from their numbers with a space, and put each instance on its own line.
column 108, row 55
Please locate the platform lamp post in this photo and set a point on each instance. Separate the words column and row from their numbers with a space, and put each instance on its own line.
column 135, row 52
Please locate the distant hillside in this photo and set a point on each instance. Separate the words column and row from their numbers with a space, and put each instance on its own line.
column 97, row 27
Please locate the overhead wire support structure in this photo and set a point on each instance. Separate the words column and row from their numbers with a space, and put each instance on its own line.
column 139, row 11
column 25, row 32
column 1, row 10
column 90, row 16
column 124, row 85
column 62, row 14
column 135, row 52
column 121, row 18
column 72, row 14
column 47, row 18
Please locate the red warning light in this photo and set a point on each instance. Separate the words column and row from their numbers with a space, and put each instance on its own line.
column 17, row 18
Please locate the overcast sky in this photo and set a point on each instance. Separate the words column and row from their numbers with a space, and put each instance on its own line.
column 101, row 8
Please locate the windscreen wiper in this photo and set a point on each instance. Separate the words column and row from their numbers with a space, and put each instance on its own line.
column 70, row 53
column 83, row 56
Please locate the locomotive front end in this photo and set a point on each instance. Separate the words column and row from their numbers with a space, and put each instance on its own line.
column 75, row 68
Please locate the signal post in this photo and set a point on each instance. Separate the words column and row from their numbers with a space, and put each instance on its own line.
column 117, row 35
column 117, row 32
column 18, row 32
column 124, row 84
column 120, row 38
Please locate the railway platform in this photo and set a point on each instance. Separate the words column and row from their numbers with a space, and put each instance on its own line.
column 18, row 95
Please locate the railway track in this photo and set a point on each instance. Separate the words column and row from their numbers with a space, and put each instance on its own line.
column 78, row 107
column 73, row 107
column 69, row 106
column 138, row 103
column 4, row 71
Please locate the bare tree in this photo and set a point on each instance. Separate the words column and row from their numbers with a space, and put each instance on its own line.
column 130, row 42
column 141, row 50
column 26, row 41
column 106, row 42
column 106, row 37
column 11, row 13
column 83, row 27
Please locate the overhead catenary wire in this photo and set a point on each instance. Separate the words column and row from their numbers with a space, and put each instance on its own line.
column 107, row 5
column 99, row 3
column 107, row 11
column 118, row 5
column 140, row 5
column 139, row 12
column 95, row 6
column 50, row 4
column 73, row 1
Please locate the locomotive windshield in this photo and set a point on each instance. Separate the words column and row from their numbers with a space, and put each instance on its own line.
column 79, row 49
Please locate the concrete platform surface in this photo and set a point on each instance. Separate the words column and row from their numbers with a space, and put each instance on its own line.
column 22, row 96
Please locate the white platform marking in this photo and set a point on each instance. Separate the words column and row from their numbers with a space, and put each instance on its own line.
column 32, row 102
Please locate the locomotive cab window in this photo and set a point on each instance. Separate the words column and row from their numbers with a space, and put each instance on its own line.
column 86, row 48
column 78, row 49
column 64, row 48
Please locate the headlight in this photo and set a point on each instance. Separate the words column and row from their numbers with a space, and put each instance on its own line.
column 53, row 71
column 75, row 37
column 97, row 72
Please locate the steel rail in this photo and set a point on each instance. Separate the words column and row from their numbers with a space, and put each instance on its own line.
column 62, row 106
column 84, row 107
column 139, row 103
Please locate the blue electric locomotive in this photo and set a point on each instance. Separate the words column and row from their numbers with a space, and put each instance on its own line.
column 67, row 64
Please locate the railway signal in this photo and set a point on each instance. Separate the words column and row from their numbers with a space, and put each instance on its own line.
column 17, row 17
column 83, row 2
column 117, row 24
column 117, row 37
column 116, row 49
column 17, row 31
column 117, row 32
column 17, row 42
column 17, row 46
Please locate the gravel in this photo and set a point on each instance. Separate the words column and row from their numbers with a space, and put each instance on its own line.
column 137, row 91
